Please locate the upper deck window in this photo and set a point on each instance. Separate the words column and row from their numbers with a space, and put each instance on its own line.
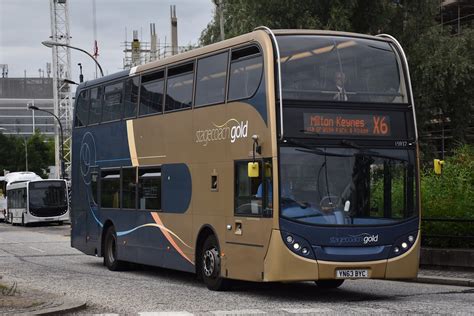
column 340, row 69
column 95, row 111
column 112, row 108
column 82, row 109
column 210, row 81
column 151, row 93
column 179, row 88
column 245, row 72
column 130, row 99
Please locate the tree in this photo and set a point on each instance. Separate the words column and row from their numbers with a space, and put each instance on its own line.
column 13, row 155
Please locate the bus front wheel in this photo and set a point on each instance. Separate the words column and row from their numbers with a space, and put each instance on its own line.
column 110, row 251
column 329, row 284
column 211, row 266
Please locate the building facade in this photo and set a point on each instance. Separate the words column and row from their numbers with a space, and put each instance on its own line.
column 15, row 96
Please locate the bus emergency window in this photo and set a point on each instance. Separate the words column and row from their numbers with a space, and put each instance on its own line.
column 149, row 188
column 179, row 92
column 211, row 78
column 130, row 98
column 151, row 93
column 248, row 191
column 112, row 108
column 245, row 73
column 82, row 109
column 95, row 111
column 129, row 188
column 110, row 188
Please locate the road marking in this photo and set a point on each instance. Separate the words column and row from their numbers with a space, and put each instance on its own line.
column 178, row 313
column 307, row 310
column 36, row 249
column 239, row 312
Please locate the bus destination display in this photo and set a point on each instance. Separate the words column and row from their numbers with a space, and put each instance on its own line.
column 347, row 124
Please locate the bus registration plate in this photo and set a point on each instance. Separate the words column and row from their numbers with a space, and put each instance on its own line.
column 352, row 274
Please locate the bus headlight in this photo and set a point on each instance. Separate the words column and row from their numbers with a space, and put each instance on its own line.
column 403, row 244
column 298, row 245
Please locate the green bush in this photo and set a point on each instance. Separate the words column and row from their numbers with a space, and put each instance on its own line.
column 449, row 195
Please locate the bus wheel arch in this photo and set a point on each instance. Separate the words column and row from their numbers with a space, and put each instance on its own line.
column 208, row 261
column 105, row 228
column 110, row 251
column 203, row 234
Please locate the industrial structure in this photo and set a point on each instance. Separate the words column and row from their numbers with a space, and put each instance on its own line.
column 138, row 52
column 61, row 69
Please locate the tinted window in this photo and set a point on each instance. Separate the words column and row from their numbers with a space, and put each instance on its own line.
column 82, row 109
column 110, row 188
column 245, row 73
column 149, row 188
column 129, row 188
column 179, row 93
column 112, row 108
column 210, row 81
column 340, row 69
column 248, row 191
column 95, row 111
column 47, row 194
column 130, row 99
column 151, row 93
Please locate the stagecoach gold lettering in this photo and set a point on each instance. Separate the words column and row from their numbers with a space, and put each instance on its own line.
column 347, row 124
column 232, row 130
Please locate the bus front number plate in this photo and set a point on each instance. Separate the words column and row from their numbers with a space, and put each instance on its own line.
column 352, row 274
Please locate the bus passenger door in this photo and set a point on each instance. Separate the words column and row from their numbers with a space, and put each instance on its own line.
column 92, row 214
column 248, row 230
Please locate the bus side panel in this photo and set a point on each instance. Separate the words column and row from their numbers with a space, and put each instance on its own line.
column 142, row 237
column 101, row 146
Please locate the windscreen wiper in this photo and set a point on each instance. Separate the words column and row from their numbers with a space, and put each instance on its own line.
column 368, row 152
column 312, row 149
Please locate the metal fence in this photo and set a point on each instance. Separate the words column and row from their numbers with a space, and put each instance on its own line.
column 464, row 237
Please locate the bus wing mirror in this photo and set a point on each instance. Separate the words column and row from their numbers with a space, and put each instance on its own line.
column 252, row 170
column 438, row 166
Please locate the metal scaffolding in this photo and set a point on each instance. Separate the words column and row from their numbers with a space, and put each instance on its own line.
column 61, row 71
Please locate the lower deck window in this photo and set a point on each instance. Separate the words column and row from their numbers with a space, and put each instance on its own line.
column 253, row 196
column 110, row 188
column 149, row 189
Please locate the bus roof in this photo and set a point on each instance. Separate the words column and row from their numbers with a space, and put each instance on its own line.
column 241, row 39
column 21, row 176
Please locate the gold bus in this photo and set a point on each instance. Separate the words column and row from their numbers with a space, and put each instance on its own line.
column 282, row 155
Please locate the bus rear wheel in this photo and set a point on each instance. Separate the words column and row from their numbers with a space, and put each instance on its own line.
column 329, row 284
column 110, row 251
column 210, row 266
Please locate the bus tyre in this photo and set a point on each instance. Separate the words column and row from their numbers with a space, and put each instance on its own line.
column 329, row 284
column 110, row 251
column 210, row 266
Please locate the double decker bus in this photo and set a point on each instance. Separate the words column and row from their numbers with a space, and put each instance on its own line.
column 30, row 199
column 283, row 155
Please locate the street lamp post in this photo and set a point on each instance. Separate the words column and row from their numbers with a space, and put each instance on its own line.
column 50, row 44
column 63, row 171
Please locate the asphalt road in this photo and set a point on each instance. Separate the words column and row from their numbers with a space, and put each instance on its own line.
column 41, row 258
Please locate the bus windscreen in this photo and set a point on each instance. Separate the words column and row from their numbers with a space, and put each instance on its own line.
column 340, row 69
column 47, row 196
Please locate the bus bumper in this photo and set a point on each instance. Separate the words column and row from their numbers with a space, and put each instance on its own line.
column 283, row 265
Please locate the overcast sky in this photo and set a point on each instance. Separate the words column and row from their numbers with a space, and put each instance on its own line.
column 24, row 24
